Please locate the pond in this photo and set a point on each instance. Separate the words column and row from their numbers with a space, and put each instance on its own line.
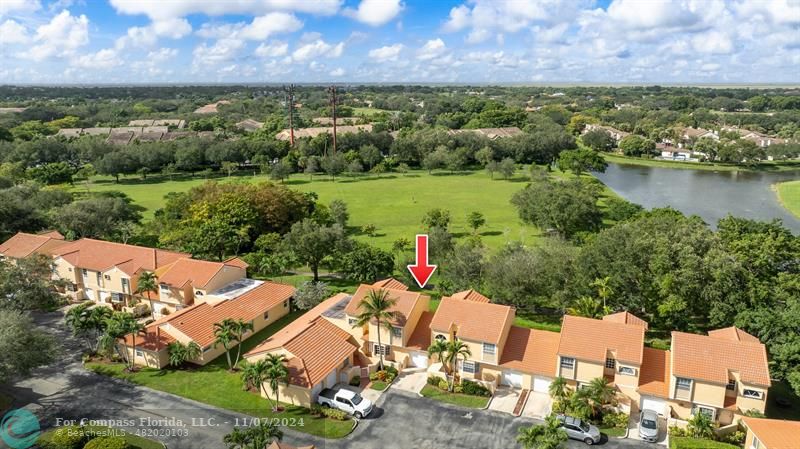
column 712, row 195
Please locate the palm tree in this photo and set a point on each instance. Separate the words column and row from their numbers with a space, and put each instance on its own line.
column 375, row 306
column 147, row 283
column 254, row 437
column 549, row 435
column 78, row 319
column 588, row 307
column 253, row 375
column 580, row 404
column 98, row 317
column 601, row 393
column 237, row 439
column 439, row 349
column 118, row 326
column 558, row 389
column 604, row 290
column 240, row 327
column 225, row 335
column 456, row 348
column 180, row 353
column 276, row 372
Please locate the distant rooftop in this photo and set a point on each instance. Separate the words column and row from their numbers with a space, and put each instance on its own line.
column 237, row 288
column 337, row 310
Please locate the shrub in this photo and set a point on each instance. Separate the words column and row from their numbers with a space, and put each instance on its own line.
column 443, row 385
column 434, row 380
column 107, row 443
column 317, row 410
column 68, row 437
column 676, row 431
column 333, row 413
column 392, row 370
column 616, row 420
column 458, row 389
column 735, row 438
column 475, row 389
column 355, row 381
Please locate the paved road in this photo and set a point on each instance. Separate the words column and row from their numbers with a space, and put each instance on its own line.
column 401, row 420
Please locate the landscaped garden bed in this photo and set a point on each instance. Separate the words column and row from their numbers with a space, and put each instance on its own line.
column 380, row 380
column 94, row 437
column 466, row 393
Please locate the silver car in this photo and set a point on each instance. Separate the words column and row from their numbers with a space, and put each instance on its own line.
column 580, row 430
column 648, row 426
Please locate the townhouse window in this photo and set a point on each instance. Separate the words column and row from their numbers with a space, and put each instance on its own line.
column 756, row 444
column 682, row 383
column 731, row 385
column 266, row 315
column 468, row 366
column 567, row 362
column 440, row 337
column 380, row 349
column 198, row 293
column 397, row 332
column 139, row 353
column 611, row 363
column 69, row 269
column 627, row 370
column 116, row 297
column 126, row 286
column 98, row 278
column 708, row 411
column 489, row 349
column 164, row 288
column 85, row 272
column 286, row 304
column 753, row 394
column 108, row 278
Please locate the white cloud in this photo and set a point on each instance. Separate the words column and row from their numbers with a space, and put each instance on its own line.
column 634, row 14
column 148, row 36
column 375, row 12
column 431, row 50
column 173, row 28
column 715, row 42
column 777, row 11
column 63, row 35
column 162, row 55
column 337, row 72
column 386, row 53
column 259, row 29
column 19, row 6
column 315, row 49
column 223, row 50
column 102, row 60
column 272, row 50
column 12, row 32
column 710, row 67
column 161, row 9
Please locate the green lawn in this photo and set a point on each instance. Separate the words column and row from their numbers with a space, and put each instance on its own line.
column 394, row 203
column 214, row 385
column 135, row 441
column 762, row 166
column 697, row 443
column 378, row 385
column 789, row 196
column 369, row 112
column 613, row 431
column 541, row 322
column 782, row 390
column 463, row 400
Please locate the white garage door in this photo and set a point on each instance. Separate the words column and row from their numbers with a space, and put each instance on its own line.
column 541, row 385
column 655, row 404
column 330, row 381
column 512, row 378
column 89, row 293
column 104, row 296
column 419, row 359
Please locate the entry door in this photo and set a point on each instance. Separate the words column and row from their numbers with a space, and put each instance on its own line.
column 419, row 359
column 512, row 378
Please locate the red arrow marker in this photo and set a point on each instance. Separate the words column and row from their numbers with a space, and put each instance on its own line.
column 421, row 270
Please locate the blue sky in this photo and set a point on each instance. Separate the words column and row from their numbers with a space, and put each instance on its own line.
column 481, row 41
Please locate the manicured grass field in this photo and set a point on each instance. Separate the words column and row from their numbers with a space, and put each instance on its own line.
column 789, row 196
column 463, row 400
column 213, row 384
column 697, row 443
column 135, row 441
column 394, row 203
column 714, row 166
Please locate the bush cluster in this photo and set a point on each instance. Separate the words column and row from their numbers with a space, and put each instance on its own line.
column 618, row 420
column 474, row 389
column 385, row 375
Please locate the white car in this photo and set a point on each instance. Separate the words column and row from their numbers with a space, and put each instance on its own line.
column 346, row 401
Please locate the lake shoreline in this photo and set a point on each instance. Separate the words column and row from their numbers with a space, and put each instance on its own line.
column 763, row 167
column 788, row 193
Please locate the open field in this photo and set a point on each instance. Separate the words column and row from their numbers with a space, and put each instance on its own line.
column 789, row 196
column 394, row 203
column 763, row 166
column 213, row 384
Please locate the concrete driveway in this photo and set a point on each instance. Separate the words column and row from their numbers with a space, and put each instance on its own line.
column 411, row 381
column 538, row 405
column 504, row 399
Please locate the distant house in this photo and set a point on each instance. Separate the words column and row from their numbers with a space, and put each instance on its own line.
column 675, row 153
column 23, row 245
column 300, row 133
column 760, row 139
column 328, row 121
column 491, row 133
column 249, row 125
column 615, row 133
column 211, row 108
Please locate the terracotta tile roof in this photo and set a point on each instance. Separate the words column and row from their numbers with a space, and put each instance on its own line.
column 421, row 337
column 774, row 433
column 197, row 321
column 626, row 318
column 654, row 373
column 23, row 244
column 236, row 262
column 278, row 339
column 405, row 302
column 477, row 321
column 711, row 358
column 531, row 350
column 471, row 295
column 733, row 333
column 321, row 347
column 590, row 339
column 151, row 339
column 99, row 255
column 390, row 283
column 278, row 445
column 197, row 272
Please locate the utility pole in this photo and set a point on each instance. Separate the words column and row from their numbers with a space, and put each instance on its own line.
column 332, row 93
column 290, row 104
